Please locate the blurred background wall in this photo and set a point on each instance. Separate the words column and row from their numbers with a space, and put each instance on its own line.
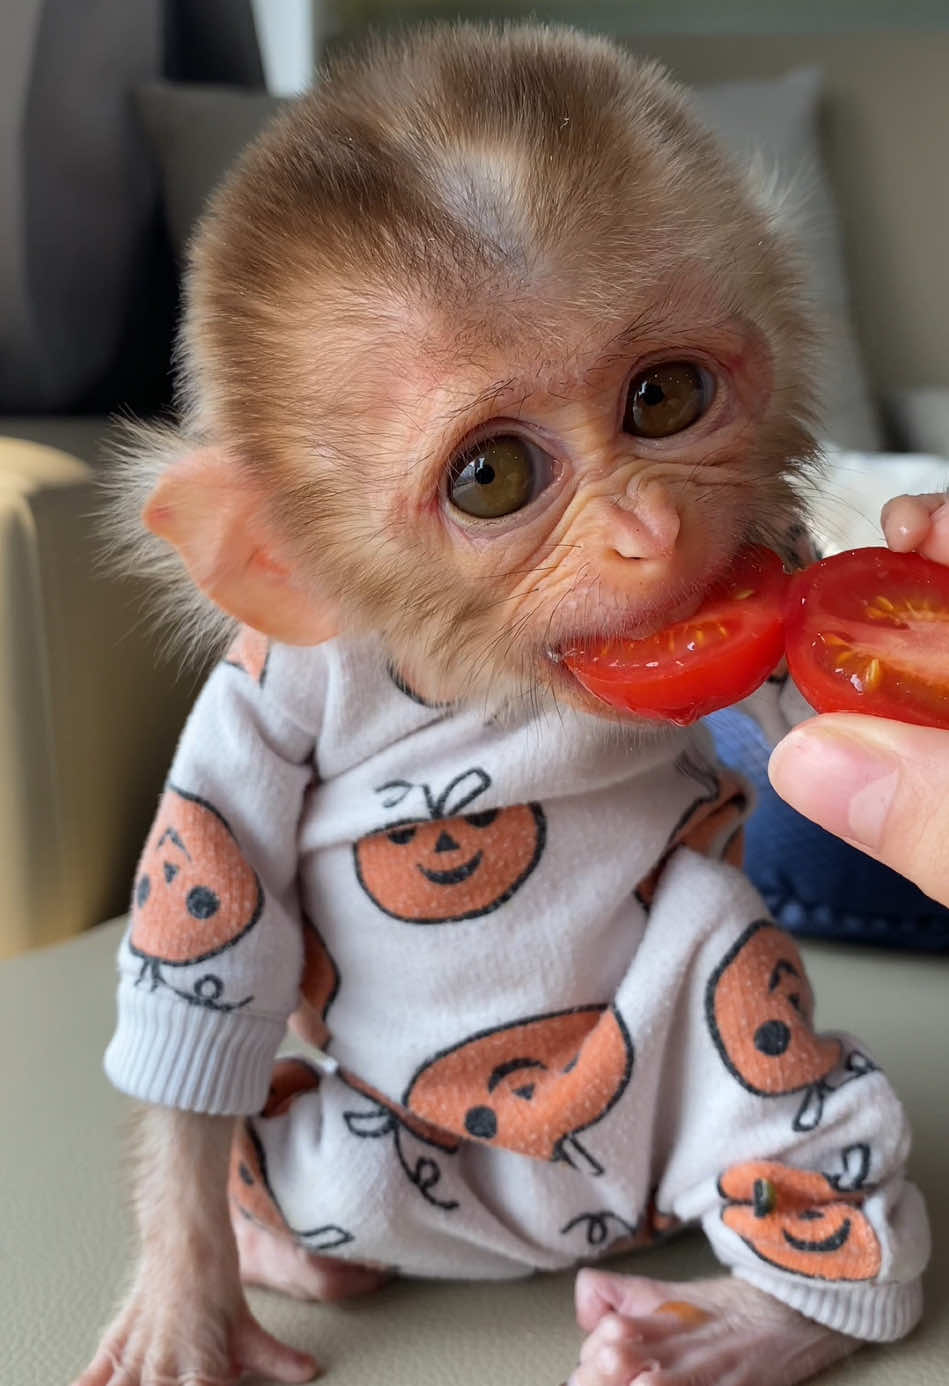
column 291, row 31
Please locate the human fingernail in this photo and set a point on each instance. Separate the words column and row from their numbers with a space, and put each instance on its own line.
column 838, row 780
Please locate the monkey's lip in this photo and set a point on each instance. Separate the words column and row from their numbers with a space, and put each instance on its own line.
column 629, row 630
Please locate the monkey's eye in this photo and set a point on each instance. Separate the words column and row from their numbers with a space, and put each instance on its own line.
column 666, row 399
column 497, row 476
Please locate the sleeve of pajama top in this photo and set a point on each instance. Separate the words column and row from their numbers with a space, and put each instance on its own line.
column 209, row 967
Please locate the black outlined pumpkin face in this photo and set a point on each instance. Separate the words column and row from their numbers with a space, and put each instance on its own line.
column 194, row 893
column 796, row 1219
column 530, row 1086
column 451, row 868
column 319, row 984
column 759, row 1006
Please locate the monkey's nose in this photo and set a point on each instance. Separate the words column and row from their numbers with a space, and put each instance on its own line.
column 644, row 524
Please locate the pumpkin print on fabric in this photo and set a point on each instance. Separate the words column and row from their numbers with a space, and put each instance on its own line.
column 453, row 865
column 607, row 1233
column 759, row 1006
column 712, row 825
column 250, row 651
column 319, row 984
column 800, row 1221
column 249, row 1190
column 530, row 1086
column 384, row 1118
column 194, row 893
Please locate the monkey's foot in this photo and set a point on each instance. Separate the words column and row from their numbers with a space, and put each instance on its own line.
column 277, row 1263
column 720, row 1332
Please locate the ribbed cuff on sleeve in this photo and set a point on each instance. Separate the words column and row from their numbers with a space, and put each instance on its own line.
column 878, row 1313
column 177, row 1054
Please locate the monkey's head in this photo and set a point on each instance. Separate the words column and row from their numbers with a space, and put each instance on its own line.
column 487, row 348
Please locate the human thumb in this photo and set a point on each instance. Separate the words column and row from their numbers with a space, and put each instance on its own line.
column 882, row 786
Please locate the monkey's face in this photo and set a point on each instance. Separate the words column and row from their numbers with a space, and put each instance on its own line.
column 519, row 357
column 529, row 497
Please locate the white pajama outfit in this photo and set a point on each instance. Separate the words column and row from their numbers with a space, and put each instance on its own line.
column 557, row 1020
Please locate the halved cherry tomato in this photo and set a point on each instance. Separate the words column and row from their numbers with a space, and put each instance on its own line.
column 868, row 631
column 717, row 657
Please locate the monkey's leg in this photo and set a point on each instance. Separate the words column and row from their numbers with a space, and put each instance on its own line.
column 279, row 1263
column 269, row 1253
column 720, row 1332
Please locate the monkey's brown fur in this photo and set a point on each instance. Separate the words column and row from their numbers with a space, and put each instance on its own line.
column 460, row 228
column 439, row 203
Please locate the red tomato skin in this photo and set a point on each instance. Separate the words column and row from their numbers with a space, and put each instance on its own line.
column 831, row 596
column 684, row 688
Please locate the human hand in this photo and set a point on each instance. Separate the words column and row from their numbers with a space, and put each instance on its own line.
column 919, row 523
column 881, row 785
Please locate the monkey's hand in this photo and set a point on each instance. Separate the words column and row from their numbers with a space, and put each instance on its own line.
column 185, row 1321
column 190, row 1325
column 919, row 523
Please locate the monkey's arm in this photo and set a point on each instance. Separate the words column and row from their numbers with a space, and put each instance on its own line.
column 211, row 963
column 185, row 1318
column 209, row 972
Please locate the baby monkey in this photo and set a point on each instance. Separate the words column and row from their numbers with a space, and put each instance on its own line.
column 488, row 350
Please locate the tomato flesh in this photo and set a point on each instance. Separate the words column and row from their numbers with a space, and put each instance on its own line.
column 868, row 631
column 716, row 657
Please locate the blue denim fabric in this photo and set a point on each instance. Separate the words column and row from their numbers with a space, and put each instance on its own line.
column 815, row 884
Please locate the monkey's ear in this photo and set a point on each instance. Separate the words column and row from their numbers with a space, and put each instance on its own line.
column 213, row 513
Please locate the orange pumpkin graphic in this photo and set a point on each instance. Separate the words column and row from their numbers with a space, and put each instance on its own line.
column 195, row 895
column 319, row 984
column 446, row 869
column 530, row 1086
column 799, row 1221
column 250, row 651
column 759, row 1006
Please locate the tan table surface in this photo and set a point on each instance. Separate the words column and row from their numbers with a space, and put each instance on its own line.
column 63, row 1231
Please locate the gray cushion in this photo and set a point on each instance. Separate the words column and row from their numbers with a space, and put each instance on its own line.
column 77, row 190
column 197, row 132
column 777, row 121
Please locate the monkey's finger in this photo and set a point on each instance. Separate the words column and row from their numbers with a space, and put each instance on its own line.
column 104, row 1370
column 908, row 520
column 600, row 1293
column 256, row 1350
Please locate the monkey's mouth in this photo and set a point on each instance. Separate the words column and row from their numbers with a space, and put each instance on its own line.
column 647, row 622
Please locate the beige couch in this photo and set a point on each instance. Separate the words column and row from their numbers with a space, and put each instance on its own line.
column 88, row 713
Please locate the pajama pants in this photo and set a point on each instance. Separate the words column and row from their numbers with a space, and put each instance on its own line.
column 700, row 1092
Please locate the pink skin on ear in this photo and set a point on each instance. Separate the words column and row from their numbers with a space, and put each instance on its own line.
column 212, row 511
